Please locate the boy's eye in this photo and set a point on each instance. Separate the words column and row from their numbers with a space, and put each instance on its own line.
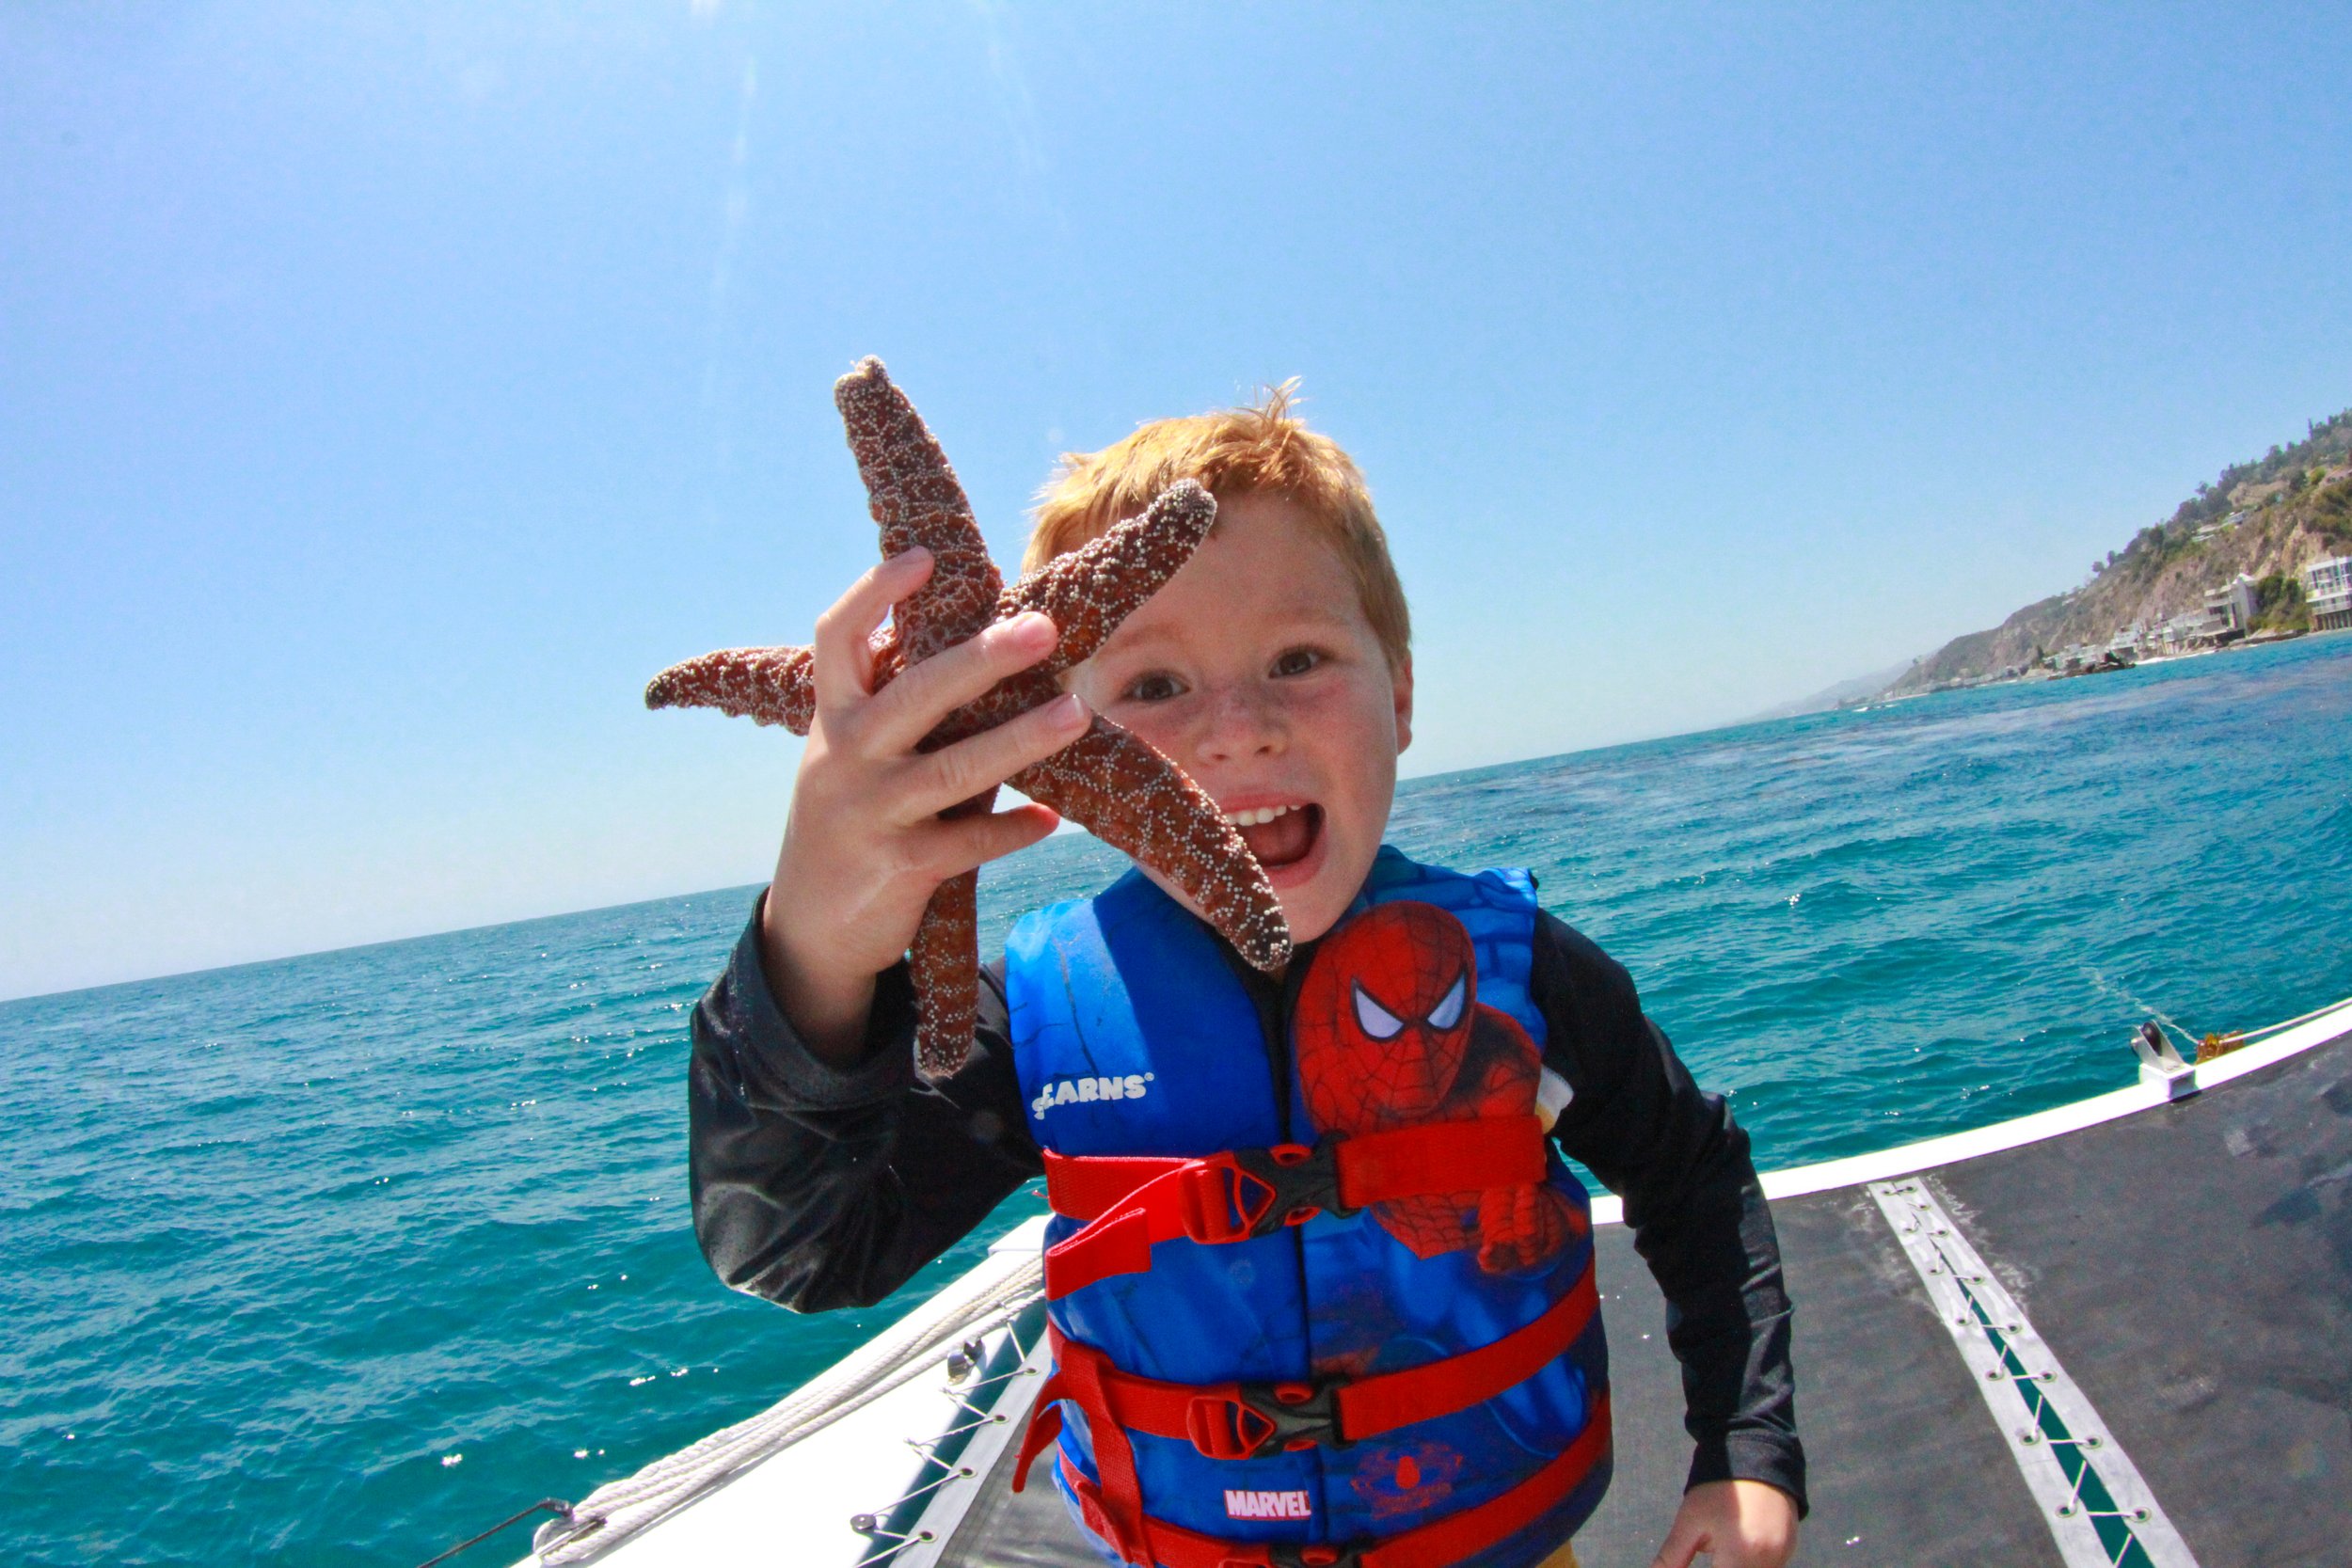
column 1297, row 662
column 1156, row 686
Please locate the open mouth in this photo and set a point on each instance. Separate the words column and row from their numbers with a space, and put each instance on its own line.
column 1279, row 835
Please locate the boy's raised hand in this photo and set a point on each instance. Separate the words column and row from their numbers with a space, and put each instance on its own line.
column 1738, row 1524
column 864, row 845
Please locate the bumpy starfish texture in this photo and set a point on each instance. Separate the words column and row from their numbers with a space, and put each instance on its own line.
column 1108, row 781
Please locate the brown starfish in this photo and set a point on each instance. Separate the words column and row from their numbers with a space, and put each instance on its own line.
column 1109, row 780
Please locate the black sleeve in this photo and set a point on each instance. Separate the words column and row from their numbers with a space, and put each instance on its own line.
column 819, row 1186
column 1699, row 1216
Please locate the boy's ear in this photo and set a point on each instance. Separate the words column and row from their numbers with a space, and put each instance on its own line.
column 1401, row 681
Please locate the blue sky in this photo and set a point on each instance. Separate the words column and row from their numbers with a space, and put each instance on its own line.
column 386, row 391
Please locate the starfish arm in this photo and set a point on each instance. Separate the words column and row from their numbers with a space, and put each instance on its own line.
column 915, row 497
column 771, row 686
column 1114, row 784
column 944, row 962
column 1090, row 591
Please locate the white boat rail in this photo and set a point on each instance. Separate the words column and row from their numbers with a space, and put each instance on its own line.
column 979, row 1303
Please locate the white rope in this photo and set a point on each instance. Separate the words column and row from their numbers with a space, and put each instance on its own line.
column 2269, row 1029
column 615, row 1512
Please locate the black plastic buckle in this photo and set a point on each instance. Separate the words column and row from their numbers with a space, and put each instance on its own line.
column 1303, row 1179
column 1256, row 1420
column 1303, row 1415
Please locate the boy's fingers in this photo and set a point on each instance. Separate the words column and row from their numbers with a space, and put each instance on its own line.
column 921, row 697
column 1682, row 1544
column 845, row 661
column 983, row 761
column 971, row 841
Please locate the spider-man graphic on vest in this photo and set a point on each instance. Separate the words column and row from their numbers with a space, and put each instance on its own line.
column 1390, row 1033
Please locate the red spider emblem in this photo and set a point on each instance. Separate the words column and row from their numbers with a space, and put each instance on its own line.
column 1407, row 1479
column 1390, row 1033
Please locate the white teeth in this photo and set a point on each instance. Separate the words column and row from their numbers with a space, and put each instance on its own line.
column 1253, row 818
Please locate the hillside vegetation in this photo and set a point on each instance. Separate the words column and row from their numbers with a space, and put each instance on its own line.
column 2292, row 506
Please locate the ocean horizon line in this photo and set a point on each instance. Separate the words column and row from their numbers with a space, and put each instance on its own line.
column 1405, row 785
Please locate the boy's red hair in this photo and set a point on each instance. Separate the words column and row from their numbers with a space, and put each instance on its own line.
column 1232, row 451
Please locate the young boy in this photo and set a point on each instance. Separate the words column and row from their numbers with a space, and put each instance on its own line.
column 1253, row 1376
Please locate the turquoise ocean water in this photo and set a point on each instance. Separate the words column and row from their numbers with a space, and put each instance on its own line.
column 340, row 1258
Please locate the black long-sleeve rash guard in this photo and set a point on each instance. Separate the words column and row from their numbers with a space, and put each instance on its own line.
column 819, row 1186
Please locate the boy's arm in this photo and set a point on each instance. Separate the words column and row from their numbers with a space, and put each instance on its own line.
column 1691, row 1198
column 818, row 1185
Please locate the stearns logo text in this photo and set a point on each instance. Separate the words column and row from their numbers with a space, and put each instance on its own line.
column 1086, row 1091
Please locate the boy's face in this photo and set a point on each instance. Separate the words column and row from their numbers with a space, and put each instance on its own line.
column 1257, row 672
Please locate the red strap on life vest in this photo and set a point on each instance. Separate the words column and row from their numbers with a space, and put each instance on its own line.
column 1438, row 1543
column 1120, row 1499
column 1133, row 1204
column 1391, row 1400
column 1246, row 1420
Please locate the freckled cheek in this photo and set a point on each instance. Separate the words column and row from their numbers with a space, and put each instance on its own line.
column 1326, row 710
column 1168, row 726
column 1346, row 723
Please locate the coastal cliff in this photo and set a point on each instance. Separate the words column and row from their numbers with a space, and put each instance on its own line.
column 2265, row 518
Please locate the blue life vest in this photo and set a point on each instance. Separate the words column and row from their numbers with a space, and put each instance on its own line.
column 1134, row 1035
